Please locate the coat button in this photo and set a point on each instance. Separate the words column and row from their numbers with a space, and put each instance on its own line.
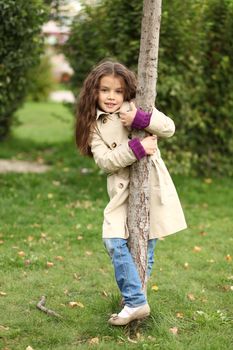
column 105, row 120
column 120, row 185
column 114, row 144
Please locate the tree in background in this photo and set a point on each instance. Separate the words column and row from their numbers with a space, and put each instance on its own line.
column 20, row 49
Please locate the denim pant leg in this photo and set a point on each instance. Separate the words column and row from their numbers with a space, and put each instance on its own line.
column 150, row 255
column 126, row 274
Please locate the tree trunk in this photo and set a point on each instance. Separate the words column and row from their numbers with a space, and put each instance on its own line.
column 139, row 197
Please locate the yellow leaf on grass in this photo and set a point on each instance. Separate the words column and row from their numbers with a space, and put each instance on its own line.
column 50, row 195
column 179, row 315
column 1, row 241
column 174, row 330
column 228, row 257
column 76, row 304
column 197, row 249
column 29, row 348
column 79, row 238
column 3, row 328
column 88, row 253
column 50, row 264
column 155, row 288
column 208, row 181
column 59, row 258
column 186, row 265
column 21, row 253
column 2, row 294
column 94, row 341
column 191, row 297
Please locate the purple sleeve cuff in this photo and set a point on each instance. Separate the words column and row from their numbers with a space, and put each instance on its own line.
column 141, row 119
column 137, row 148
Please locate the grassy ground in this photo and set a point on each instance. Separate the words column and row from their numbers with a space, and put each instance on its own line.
column 50, row 244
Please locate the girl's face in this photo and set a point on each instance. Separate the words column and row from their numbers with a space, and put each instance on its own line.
column 111, row 93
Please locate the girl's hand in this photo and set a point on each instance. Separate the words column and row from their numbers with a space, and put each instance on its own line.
column 128, row 117
column 149, row 144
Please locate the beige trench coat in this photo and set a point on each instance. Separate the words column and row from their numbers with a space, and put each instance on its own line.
column 111, row 152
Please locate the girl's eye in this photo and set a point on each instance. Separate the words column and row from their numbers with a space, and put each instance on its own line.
column 119, row 92
column 104, row 90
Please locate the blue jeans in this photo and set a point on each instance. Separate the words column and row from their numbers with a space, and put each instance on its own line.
column 126, row 273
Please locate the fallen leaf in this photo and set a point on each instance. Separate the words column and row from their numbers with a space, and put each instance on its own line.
column 132, row 340
column 155, row 288
column 208, row 181
column 77, row 277
column 191, row 297
column 56, row 183
column 179, row 315
column 205, row 205
column 89, row 226
column 2, row 294
column 105, row 293
column 174, row 330
column 50, row 264
column 211, row 261
column 43, row 235
column 21, row 253
column 94, row 341
column 29, row 348
column 3, row 328
column 203, row 233
column 27, row 262
column 197, row 249
column 89, row 253
column 186, row 265
column 79, row 238
column 50, row 195
column 30, row 238
column 59, row 258
column 228, row 257
column 66, row 292
column 1, row 241
column 75, row 304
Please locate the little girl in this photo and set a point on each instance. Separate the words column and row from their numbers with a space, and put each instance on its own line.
column 105, row 117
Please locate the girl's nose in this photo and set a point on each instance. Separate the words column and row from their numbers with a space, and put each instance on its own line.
column 111, row 95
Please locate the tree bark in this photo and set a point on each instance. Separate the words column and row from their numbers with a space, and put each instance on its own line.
column 139, row 196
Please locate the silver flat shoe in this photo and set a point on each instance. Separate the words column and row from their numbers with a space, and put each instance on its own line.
column 142, row 312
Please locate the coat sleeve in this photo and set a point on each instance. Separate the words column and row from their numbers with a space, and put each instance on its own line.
column 111, row 160
column 160, row 124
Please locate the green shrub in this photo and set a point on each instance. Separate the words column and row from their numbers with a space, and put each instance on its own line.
column 20, row 49
column 41, row 81
column 195, row 76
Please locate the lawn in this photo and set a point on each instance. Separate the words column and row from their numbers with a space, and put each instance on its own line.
column 50, row 244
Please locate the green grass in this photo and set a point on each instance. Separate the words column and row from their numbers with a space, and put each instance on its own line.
column 43, row 215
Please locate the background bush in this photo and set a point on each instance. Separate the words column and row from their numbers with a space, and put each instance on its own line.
column 195, row 75
column 41, row 81
column 20, row 48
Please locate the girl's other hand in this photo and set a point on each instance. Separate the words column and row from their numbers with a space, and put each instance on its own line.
column 149, row 144
column 128, row 117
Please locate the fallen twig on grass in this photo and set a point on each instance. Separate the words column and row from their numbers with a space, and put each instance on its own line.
column 41, row 306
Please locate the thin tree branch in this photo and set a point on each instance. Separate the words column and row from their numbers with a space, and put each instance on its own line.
column 41, row 306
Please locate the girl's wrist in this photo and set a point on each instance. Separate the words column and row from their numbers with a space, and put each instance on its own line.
column 141, row 119
column 137, row 148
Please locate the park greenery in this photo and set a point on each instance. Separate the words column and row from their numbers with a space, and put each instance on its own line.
column 195, row 77
column 50, row 244
column 20, row 47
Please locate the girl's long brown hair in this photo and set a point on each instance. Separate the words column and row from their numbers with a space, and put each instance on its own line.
column 88, row 99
